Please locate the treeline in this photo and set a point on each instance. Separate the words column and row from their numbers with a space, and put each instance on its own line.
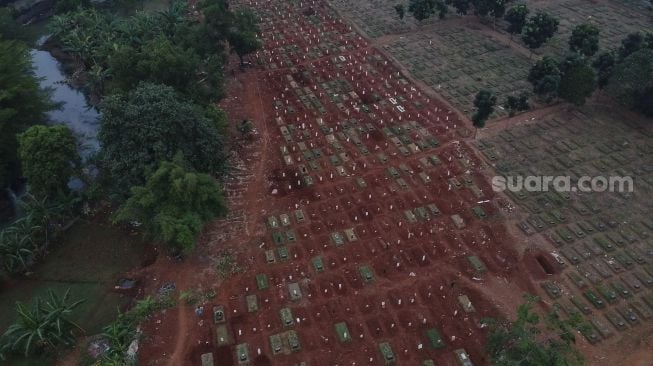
column 625, row 73
column 159, row 75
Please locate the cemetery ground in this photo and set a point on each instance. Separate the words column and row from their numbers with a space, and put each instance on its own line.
column 363, row 227
column 602, row 240
column 458, row 56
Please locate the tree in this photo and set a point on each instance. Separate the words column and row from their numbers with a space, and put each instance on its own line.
column 545, row 77
column 495, row 8
column 516, row 18
column 150, row 125
column 584, row 40
column 174, row 204
column 516, row 104
column 522, row 342
column 422, row 9
column 635, row 42
column 538, row 29
column 43, row 326
column 11, row 29
column 243, row 34
column 401, row 11
column 461, row 6
column 604, row 64
column 484, row 103
column 578, row 82
column 632, row 81
column 49, row 157
column 22, row 104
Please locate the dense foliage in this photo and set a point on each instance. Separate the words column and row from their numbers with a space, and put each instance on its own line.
column 538, row 29
column 516, row 104
column 631, row 81
column 22, row 104
column 584, row 39
column 484, row 103
column 516, row 18
column 49, row 157
column 167, row 47
column 571, row 79
column 174, row 204
column 150, row 125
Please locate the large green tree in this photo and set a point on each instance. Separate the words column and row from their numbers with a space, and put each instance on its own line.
column 49, row 158
column 584, row 39
column 545, row 76
column 578, row 82
column 22, row 104
column 150, row 125
column 423, row 9
column 174, row 204
column 635, row 42
column 604, row 64
column 538, row 29
column 632, row 81
column 484, row 102
column 516, row 18
column 243, row 37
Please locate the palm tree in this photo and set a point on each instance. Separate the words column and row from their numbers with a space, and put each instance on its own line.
column 44, row 326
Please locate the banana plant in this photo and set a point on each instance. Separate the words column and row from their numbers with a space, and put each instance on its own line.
column 43, row 326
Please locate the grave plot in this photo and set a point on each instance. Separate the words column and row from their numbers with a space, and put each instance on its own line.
column 457, row 62
column 377, row 17
column 358, row 244
column 602, row 239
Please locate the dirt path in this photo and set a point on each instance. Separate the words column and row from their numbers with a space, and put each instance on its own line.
column 251, row 97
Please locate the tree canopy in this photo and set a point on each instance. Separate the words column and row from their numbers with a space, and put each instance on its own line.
column 635, row 42
column 538, row 29
column 516, row 18
column 578, row 83
column 572, row 79
column 632, row 81
column 545, row 77
column 22, row 104
column 604, row 64
column 584, row 40
column 516, row 104
column 174, row 204
column 150, row 125
column 423, row 9
column 49, row 158
column 484, row 103
column 166, row 47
